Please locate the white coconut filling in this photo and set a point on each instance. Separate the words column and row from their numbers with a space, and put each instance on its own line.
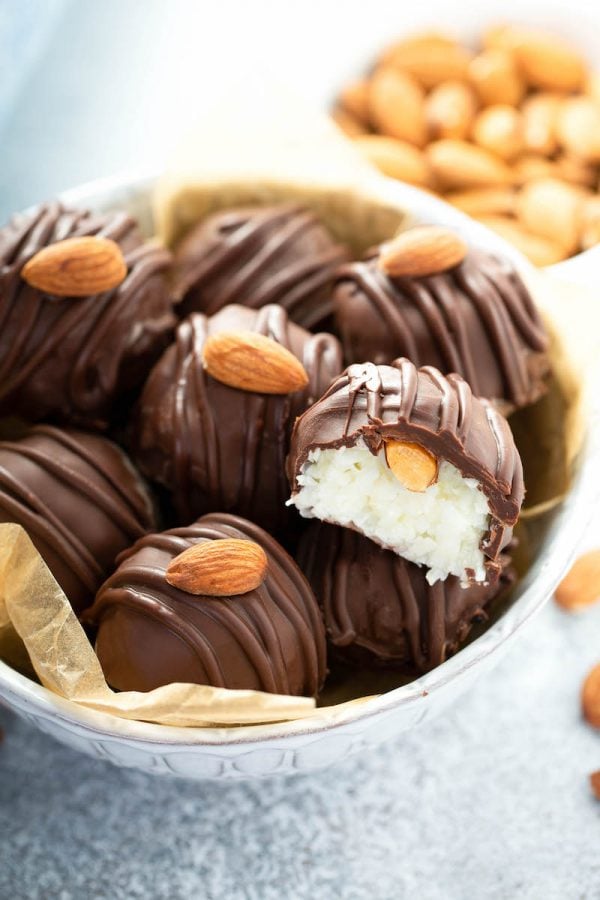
column 440, row 528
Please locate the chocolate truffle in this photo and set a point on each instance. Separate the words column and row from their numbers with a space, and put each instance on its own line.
column 379, row 609
column 217, row 447
column 254, row 256
column 410, row 458
column 79, row 499
column 476, row 319
column 70, row 358
column 151, row 633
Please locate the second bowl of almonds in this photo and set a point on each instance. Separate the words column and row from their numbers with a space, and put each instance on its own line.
column 507, row 130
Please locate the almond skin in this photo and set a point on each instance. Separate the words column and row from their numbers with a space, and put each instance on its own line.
column 499, row 129
column 413, row 466
column 496, row 78
column 76, row 267
column 458, row 164
column 222, row 568
column 253, row 362
column 450, row 110
column 590, row 697
column 422, row 251
column 396, row 106
column 553, row 209
column 581, row 586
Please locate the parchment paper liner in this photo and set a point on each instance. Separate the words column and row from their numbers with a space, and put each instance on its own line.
column 315, row 166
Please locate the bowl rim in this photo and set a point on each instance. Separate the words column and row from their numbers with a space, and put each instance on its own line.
column 537, row 586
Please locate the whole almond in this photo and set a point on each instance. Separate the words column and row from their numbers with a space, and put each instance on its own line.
column 458, row 164
column 576, row 171
column 590, row 222
column 76, row 267
column 396, row 106
column 578, row 127
column 354, row 99
column 484, row 201
column 595, row 784
column 590, row 697
column 539, row 250
column 450, row 109
column 499, row 129
column 432, row 62
column 496, row 78
column 425, row 250
column 253, row 362
column 581, row 586
column 549, row 63
column 552, row 209
column 221, row 568
column 349, row 125
column 422, row 40
column 414, row 466
column 540, row 120
column 395, row 158
column 531, row 167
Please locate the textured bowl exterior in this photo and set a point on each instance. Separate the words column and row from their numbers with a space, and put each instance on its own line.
column 296, row 747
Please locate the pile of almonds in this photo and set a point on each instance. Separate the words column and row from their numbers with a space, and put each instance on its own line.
column 510, row 134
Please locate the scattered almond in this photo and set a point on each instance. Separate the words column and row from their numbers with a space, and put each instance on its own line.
column 496, row 78
column 457, row 164
column 76, row 267
column 590, row 697
column 552, row 209
column 539, row 250
column 540, row 117
column 421, row 251
column 450, row 110
column 581, row 586
column 578, row 127
column 483, row 201
column 499, row 129
column 595, row 784
column 396, row 106
column 395, row 158
column 253, row 362
column 354, row 99
column 221, row 568
column 414, row 466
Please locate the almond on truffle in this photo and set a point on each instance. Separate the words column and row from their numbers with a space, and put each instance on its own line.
column 253, row 362
column 76, row 267
column 220, row 568
column 421, row 251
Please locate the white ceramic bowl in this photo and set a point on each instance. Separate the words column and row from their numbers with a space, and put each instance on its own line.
column 219, row 753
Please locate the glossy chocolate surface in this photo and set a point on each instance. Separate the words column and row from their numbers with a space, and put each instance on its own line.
column 151, row 633
column 221, row 448
column 80, row 500
column 379, row 608
column 477, row 320
column 258, row 255
column 68, row 358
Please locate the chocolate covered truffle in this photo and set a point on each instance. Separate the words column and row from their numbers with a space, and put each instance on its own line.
column 215, row 446
column 380, row 609
column 151, row 632
column 411, row 459
column 254, row 256
column 476, row 319
column 70, row 357
column 79, row 499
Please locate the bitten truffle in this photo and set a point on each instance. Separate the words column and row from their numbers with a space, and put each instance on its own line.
column 411, row 459
column 79, row 499
column 476, row 319
column 217, row 447
column 151, row 633
column 379, row 609
column 71, row 358
column 276, row 254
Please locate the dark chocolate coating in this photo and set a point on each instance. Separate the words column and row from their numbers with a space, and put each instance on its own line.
column 379, row 608
column 221, row 448
column 68, row 358
column 423, row 406
column 151, row 633
column 254, row 256
column 79, row 499
column 477, row 319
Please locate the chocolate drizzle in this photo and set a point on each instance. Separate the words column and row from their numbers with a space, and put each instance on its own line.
column 379, row 608
column 477, row 320
column 70, row 358
column 151, row 633
column 255, row 256
column 80, row 501
column 217, row 447
column 404, row 403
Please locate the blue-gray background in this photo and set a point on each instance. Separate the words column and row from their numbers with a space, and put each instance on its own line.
column 490, row 801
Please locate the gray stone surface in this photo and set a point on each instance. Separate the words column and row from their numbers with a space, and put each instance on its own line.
column 489, row 802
